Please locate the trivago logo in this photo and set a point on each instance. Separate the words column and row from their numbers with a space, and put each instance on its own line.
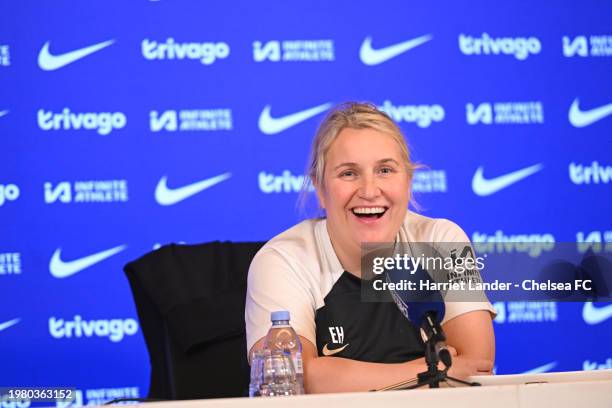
column 520, row 47
column 114, row 329
column 283, row 183
column 102, row 122
column 499, row 242
column 589, row 365
column 206, row 52
column 8, row 192
column 590, row 173
column 422, row 115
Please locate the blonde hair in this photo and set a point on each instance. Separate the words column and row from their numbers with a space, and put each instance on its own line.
column 352, row 115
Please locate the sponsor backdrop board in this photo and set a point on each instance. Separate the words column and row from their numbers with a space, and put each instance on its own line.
column 125, row 126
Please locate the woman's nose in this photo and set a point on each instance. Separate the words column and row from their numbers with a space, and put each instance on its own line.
column 369, row 188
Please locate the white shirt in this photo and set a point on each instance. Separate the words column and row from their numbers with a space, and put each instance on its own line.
column 295, row 271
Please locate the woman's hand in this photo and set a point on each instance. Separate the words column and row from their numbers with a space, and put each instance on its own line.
column 464, row 367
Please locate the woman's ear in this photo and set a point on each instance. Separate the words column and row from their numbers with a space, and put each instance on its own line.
column 320, row 195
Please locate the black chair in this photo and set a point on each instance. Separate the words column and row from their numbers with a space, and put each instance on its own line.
column 190, row 301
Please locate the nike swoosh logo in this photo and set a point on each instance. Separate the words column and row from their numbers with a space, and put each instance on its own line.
column 484, row 187
column 271, row 126
column 4, row 112
column 61, row 269
column 327, row 352
column 541, row 369
column 370, row 56
column 6, row 325
column 595, row 315
column 579, row 118
column 49, row 62
column 166, row 196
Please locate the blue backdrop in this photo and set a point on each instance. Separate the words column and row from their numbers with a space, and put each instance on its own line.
column 124, row 126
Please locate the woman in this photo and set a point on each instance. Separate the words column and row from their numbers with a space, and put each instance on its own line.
column 360, row 167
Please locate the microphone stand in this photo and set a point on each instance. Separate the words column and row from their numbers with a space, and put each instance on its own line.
column 433, row 376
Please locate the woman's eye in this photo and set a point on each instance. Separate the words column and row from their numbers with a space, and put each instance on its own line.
column 348, row 173
column 386, row 170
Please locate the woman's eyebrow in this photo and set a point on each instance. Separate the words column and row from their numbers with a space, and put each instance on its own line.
column 347, row 164
column 388, row 160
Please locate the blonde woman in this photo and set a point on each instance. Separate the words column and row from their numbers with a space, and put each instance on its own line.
column 361, row 169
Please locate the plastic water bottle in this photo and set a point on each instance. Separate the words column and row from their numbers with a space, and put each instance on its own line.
column 281, row 336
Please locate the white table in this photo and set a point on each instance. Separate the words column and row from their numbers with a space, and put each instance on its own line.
column 572, row 390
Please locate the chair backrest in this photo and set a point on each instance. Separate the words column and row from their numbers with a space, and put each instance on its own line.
column 190, row 301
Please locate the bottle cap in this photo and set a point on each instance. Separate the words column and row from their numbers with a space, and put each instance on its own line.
column 279, row 315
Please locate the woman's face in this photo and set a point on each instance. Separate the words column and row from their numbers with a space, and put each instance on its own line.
column 365, row 189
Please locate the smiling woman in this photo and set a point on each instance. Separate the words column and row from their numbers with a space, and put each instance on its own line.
column 361, row 169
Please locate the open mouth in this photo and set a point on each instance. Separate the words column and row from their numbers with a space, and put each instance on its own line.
column 369, row 212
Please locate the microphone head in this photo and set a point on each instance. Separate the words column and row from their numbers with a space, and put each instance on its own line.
column 415, row 304
column 417, row 311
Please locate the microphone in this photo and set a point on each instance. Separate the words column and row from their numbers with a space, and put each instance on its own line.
column 424, row 308
column 428, row 317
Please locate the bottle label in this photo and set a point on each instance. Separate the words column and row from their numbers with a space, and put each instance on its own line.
column 297, row 362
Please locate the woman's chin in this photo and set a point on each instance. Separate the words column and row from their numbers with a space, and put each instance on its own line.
column 373, row 237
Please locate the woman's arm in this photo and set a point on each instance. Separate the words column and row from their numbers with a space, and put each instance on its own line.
column 471, row 334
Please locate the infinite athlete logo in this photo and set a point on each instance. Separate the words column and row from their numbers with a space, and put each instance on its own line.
column 429, row 181
column 505, row 113
column 10, row 263
column 186, row 120
column 167, row 196
column 587, row 46
column 50, row 62
column 371, row 56
column 63, row 269
column 293, row 51
column 5, row 55
column 86, row 191
column 271, row 126
column 484, row 187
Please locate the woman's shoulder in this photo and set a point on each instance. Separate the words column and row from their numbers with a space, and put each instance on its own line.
column 304, row 243
column 299, row 237
column 419, row 228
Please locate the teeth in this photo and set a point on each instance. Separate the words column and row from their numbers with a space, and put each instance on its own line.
column 369, row 210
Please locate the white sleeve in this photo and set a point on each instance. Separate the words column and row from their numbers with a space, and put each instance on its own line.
column 276, row 282
column 447, row 231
